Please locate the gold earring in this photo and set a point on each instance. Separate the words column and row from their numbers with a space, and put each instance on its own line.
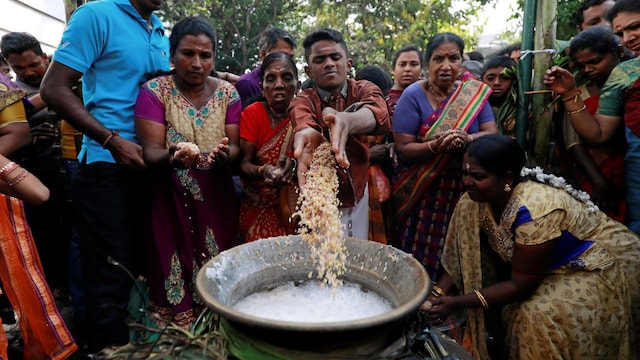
column 507, row 188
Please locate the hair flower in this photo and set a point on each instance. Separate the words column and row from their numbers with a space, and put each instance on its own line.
column 559, row 183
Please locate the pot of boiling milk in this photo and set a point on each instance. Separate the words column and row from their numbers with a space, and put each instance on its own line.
column 267, row 292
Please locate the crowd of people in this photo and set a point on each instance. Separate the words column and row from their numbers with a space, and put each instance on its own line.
column 150, row 163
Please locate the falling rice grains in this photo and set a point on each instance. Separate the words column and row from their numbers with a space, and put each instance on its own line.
column 319, row 215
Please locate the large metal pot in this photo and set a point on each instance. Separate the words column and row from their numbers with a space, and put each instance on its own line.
column 267, row 263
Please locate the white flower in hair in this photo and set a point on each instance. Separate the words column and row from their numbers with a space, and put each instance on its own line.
column 559, row 183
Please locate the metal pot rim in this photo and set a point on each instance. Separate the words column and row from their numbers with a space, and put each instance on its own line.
column 395, row 314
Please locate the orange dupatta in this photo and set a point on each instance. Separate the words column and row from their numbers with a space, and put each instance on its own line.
column 460, row 111
column 43, row 330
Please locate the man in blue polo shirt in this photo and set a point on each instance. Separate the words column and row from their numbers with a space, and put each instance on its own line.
column 111, row 44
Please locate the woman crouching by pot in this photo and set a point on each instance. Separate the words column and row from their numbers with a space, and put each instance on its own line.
column 563, row 272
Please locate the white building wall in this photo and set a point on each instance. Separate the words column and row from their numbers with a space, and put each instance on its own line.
column 44, row 19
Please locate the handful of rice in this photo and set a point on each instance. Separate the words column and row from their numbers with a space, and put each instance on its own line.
column 187, row 149
column 319, row 215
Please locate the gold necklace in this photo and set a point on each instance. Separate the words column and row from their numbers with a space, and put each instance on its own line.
column 498, row 230
column 439, row 98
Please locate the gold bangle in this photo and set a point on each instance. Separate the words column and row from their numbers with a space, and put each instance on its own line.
column 574, row 97
column 431, row 148
column 584, row 107
column 438, row 290
column 226, row 76
column 484, row 302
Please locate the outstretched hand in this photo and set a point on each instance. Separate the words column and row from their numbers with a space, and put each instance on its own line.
column 184, row 155
column 439, row 308
column 305, row 141
column 283, row 173
column 220, row 153
column 339, row 133
column 559, row 80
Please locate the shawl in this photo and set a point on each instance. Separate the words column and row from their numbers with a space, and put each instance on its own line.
column 460, row 110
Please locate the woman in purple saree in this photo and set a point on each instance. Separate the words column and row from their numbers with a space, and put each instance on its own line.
column 187, row 123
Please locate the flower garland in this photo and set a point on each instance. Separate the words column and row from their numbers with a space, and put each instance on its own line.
column 559, row 183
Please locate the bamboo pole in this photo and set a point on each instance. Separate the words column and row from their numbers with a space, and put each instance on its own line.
column 524, row 72
column 544, row 39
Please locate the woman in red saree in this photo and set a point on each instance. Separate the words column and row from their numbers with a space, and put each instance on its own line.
column 432, row 123
column 267, row 166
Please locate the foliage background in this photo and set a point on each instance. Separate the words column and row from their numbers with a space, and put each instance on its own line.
column 566, row 9
column 373, row 29
column 566, row 27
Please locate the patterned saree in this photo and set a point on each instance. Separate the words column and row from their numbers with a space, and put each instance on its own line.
column 458, row 112
column 425, row 193
column 41, row 325
column 42, row 328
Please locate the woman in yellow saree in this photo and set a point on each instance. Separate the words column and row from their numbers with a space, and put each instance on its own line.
column 525, row 244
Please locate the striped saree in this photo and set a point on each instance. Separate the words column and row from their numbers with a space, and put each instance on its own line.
column 42, row 327
column 459, row 112
column 425, row 193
